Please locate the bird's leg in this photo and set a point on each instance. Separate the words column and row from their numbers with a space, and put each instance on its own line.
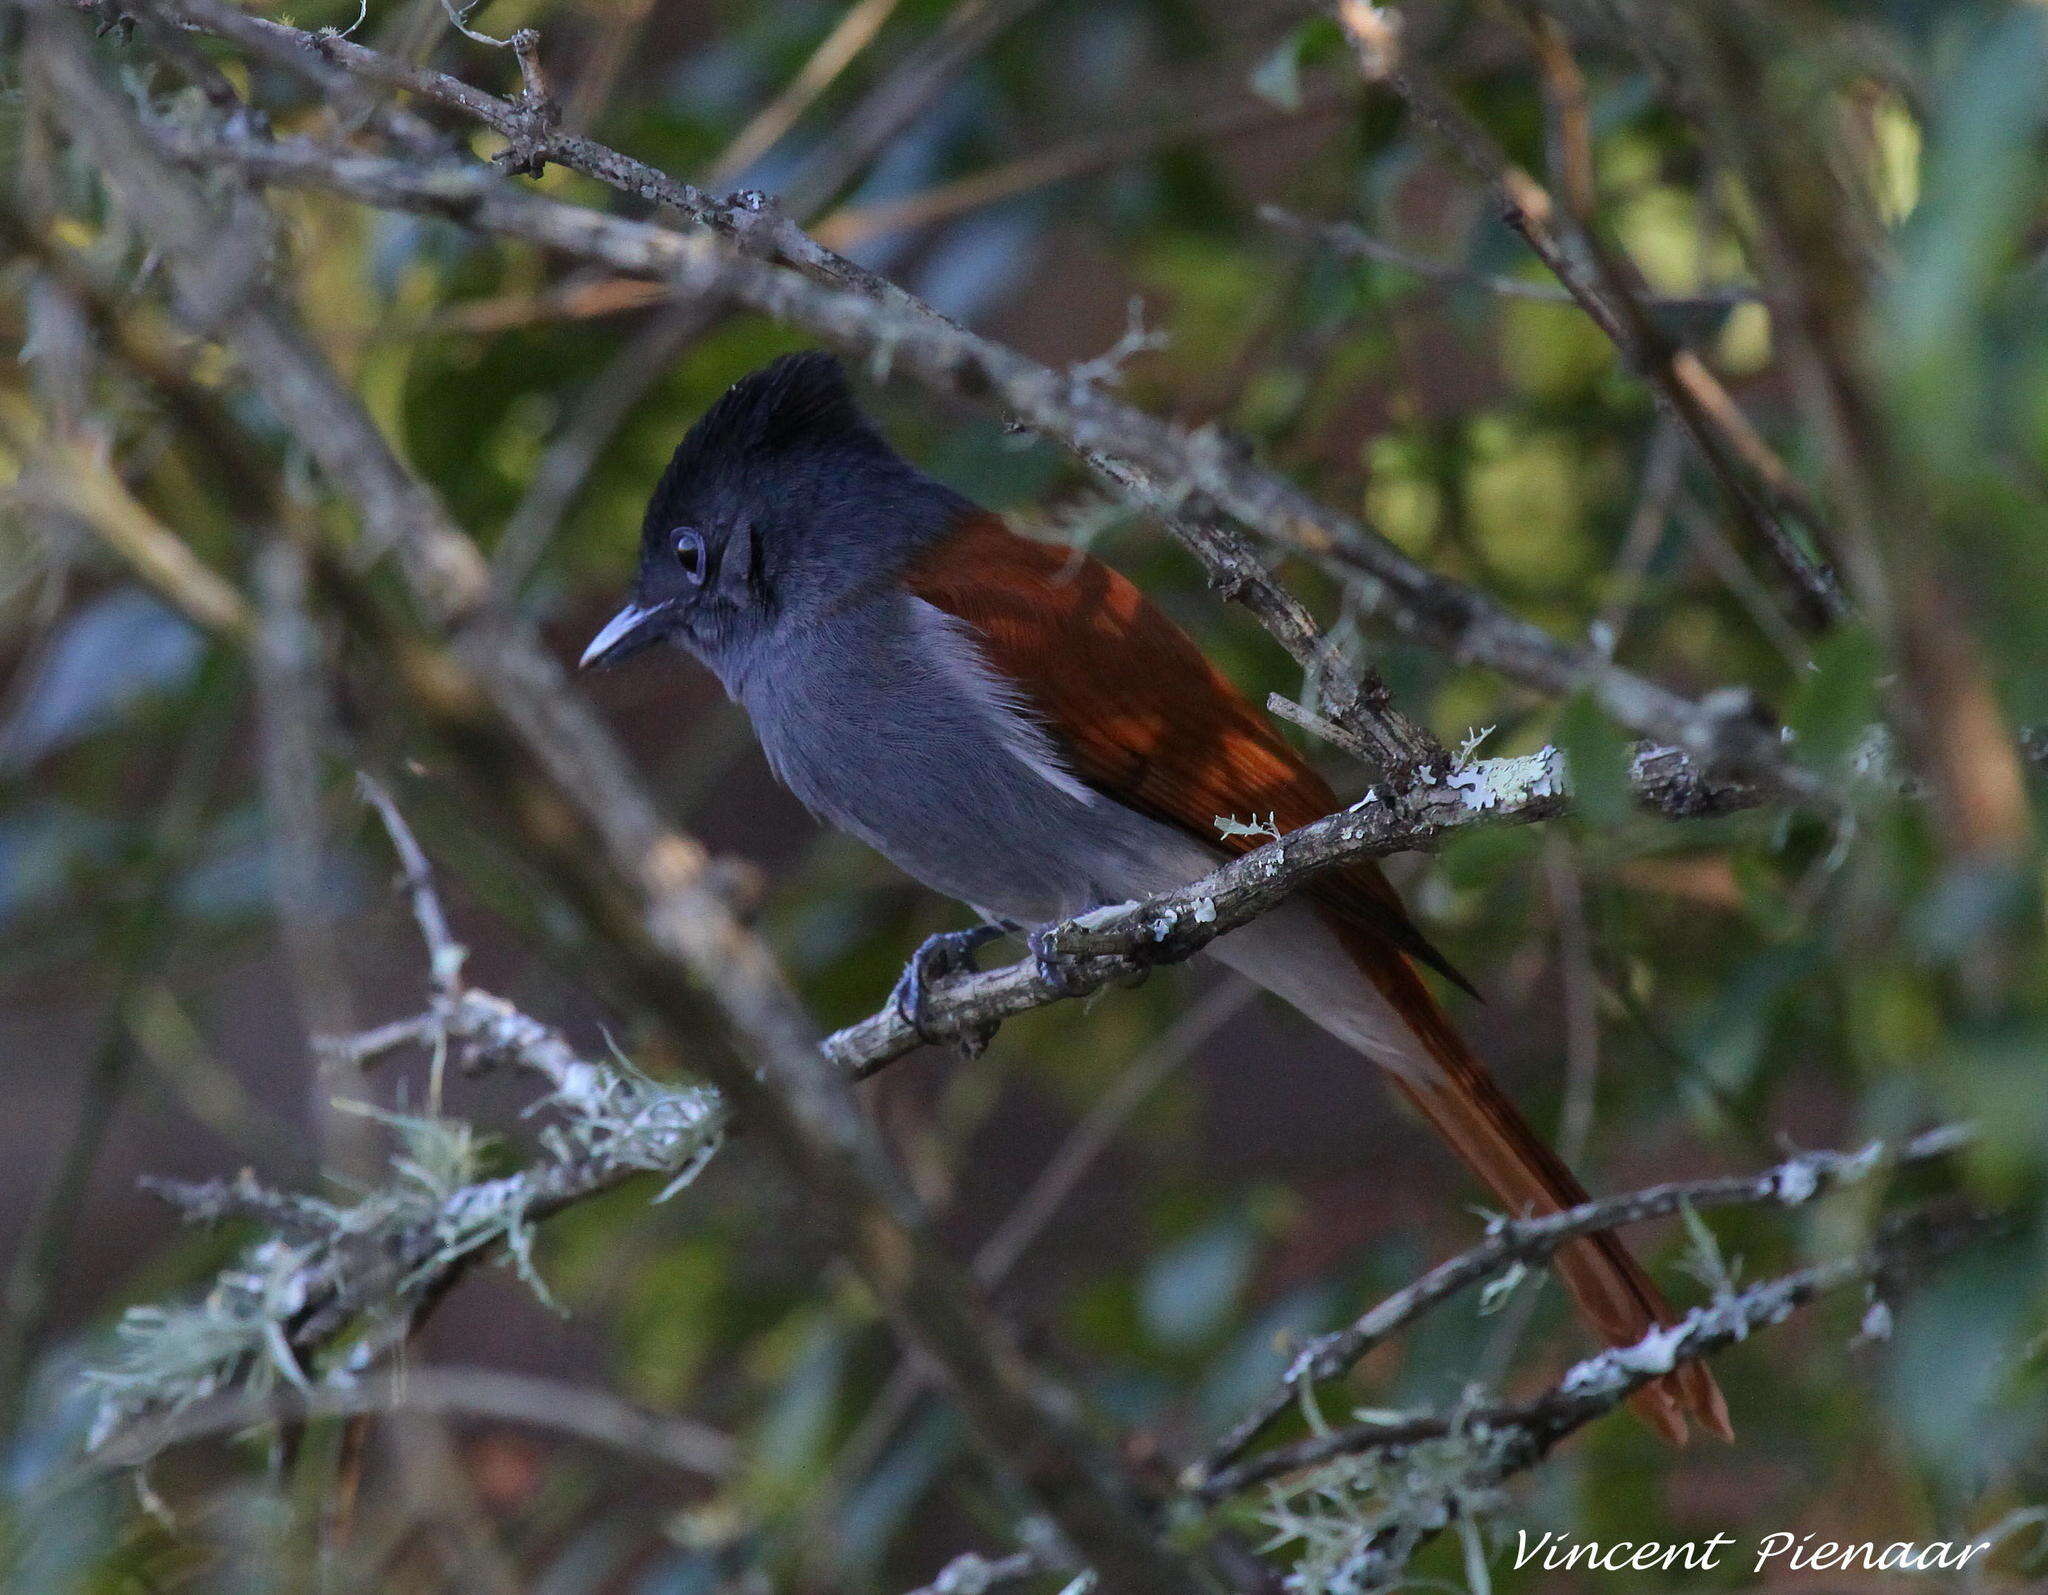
column 950, row 952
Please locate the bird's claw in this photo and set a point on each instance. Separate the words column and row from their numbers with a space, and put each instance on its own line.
column 1061, row 971
column 950, row 952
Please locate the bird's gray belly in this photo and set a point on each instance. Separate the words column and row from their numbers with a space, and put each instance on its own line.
column 887, row 721
column 947, row 801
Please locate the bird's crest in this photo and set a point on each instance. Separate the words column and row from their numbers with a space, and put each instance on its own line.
column 799, row 398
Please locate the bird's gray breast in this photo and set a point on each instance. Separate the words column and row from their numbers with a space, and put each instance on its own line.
column 888, row 722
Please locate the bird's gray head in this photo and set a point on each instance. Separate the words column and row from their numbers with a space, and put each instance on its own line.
column 781, row 500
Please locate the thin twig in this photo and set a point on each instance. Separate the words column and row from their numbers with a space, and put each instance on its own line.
column 454, row 1392
column 1345, row 239
column 1663, row 467
column 852, row 33
column 1518, row 1436
column 1084, row 1146
column 1055, row 1183
column 974, row 1574
column 643, row 359
column 445, row 955
column 893, row 104
column 1084, row 156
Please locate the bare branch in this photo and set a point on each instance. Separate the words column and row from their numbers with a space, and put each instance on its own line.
column 1123, row 939
column 454, row 1392
column 1343, row 238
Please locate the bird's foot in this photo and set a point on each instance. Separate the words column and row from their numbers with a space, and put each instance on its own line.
column 1062, row 971
column 950, row 952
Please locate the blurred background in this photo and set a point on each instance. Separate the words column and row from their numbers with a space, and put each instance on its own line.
column 1665, row 998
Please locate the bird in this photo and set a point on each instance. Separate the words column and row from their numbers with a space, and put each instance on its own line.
column 1015, row 725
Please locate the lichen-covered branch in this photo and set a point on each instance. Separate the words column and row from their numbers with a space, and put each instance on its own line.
column 1512, row 1243
column 1354, row 1502
column 1362, row 1498
column 1123, row 939
column 366, row 1266
column 329, row 1265
column 1725, row 739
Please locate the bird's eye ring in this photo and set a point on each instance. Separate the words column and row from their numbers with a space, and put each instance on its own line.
column 688, row 544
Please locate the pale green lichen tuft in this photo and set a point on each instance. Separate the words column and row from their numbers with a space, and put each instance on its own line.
column 167, row 1358
column 1488, row 784
column 437, row 1209
column 1350, row 1524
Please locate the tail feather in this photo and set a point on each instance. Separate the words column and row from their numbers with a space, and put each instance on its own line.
column 1464, row 1104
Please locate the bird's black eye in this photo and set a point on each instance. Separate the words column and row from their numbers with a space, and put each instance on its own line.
column 688, row 544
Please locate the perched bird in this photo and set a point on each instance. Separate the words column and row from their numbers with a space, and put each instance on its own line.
column 1016, row 726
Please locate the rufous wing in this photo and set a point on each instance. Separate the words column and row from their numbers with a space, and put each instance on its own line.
column 1138, row 709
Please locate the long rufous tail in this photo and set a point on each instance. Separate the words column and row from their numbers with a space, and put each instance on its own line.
column 1469, row 1110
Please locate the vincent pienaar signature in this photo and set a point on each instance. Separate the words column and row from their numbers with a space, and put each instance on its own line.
column 1778, row 1552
